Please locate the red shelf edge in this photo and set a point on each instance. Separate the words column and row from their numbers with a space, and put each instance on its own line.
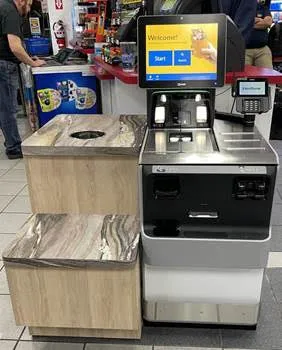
column 273, row 76
column 117, row 72
column 99, row 75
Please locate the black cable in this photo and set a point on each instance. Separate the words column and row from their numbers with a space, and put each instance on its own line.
column 233, row 105
column 224, row 91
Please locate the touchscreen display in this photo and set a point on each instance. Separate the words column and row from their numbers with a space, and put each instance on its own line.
column 176, row 52
column 252, row 88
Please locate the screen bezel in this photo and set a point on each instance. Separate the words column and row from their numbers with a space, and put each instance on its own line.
column 258, row 80
column 220, row 19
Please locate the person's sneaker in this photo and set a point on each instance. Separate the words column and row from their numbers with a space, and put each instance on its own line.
column 14, row 154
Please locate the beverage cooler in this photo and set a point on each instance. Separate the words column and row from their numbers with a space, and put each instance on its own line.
column 65, row 90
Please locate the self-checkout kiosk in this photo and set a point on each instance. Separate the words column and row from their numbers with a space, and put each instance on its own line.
column 206, row 185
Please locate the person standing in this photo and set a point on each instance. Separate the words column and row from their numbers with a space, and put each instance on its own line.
column 258, row 53
column 12, row 53
column 242, row 13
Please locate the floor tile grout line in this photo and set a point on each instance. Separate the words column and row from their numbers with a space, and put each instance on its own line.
column 9, row 339
column 8, row 233
column 18, row 340
column 8, row 204
column 21, row 190
column 272, row 290
column 15, row 212
column 6, row 171
column 18, row 162
column 274, row 295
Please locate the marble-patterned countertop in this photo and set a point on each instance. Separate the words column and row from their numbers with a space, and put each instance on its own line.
column 123, row 136
column 63, row 240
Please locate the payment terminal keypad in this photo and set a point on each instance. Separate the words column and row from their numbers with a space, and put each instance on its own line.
column 252, row 106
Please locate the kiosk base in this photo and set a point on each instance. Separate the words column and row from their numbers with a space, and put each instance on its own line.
column 242, row 315
column 203, row 296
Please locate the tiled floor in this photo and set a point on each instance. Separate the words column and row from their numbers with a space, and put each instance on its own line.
column 15, row 208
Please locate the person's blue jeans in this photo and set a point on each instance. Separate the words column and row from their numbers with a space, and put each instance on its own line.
column 9, row 82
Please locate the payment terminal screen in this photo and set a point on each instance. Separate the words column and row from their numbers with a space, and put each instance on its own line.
column 181, row 52
column 252, row 88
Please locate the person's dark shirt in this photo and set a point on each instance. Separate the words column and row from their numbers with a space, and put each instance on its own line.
column 259, row 37
column 242, row 12
column 10, row 23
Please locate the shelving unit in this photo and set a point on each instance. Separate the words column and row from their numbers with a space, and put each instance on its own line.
column 89, row 23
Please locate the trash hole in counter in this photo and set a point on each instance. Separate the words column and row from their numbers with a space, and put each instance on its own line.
column 87, row 135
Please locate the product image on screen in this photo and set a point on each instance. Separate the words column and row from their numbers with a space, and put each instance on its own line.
column 181, row 52
column 252, row 88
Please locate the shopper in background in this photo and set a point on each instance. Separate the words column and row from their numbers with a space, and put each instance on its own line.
column 12, row 53
column 258, row 53
column 242, row 13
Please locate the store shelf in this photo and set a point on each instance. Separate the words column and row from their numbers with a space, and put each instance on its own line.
column 117, row 72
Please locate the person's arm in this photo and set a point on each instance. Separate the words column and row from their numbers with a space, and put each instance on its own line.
column 245, row 17
column 16, row 47
column 11, row 26
column 263, row 23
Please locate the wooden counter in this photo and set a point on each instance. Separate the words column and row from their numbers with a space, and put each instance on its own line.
column 76, row 275
column 86, row 176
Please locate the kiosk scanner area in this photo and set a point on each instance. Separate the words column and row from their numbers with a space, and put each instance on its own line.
column 206, row 185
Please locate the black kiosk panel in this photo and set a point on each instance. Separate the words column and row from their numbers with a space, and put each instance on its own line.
column 187, row 51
